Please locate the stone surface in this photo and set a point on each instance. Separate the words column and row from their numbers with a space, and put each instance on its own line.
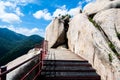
column 55, row 33
column 109, row 21
column 92, row 43
column 100, row 5
column 62, row 54
column 86, row 41
column 16, row 74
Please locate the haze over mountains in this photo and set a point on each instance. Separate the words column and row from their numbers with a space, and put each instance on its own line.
column 13, row 45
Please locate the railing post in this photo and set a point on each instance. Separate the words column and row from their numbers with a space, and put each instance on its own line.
column 41, row 54
column 46, row 46
column 3, row 68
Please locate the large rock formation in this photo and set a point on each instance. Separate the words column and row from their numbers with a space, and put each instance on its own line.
column 109, row 21
column 85, row 40
column 55, row 33
column 57, row 29
column 99, row 5
column 95, row 35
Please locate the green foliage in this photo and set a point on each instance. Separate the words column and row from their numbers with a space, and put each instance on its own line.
column 110, row 57
column 113, row 48
column 20, row 45
column 8, row 39
column 94, row 23
column 118, row 35
column 109, row 42
column 67, row 15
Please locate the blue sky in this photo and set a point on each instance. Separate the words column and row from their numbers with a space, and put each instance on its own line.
column 32, row 16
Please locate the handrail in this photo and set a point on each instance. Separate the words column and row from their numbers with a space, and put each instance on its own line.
column 5, row 72
column 31, row 71
column 40, row 63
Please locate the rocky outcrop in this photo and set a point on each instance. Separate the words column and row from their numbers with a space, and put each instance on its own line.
column 95, row 36
column 85, row 40
column 100, row 5
column 18, row 73
column 58, row 29
column 55, row 33
column 109, row 21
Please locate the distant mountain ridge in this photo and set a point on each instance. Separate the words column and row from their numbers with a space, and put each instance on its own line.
column 13, row 45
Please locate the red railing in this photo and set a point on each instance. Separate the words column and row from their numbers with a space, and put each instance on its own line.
column 44, row 47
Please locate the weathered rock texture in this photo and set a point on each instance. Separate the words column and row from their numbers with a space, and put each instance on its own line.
column 18, row 73
column 55, row 33
column 95, row 36
column 99, row 5
column 85, row 40
column 109, row 21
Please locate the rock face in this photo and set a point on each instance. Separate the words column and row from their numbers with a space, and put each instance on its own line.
column 95, row 36
column 55, row 33
column 85, row 40
column 100, row 5
column 109, row 21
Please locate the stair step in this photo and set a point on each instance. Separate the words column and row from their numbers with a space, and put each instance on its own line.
column 69, row 68
column 63, row 64
column 70, row 78
column 69, row 74
column 65, row 61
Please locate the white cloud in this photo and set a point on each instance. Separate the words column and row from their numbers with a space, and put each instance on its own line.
column 85, row 1
column 80, row 4
column 9, row 17
column 25, row 2
column 42, row 14
column 21, row 2
column 7, row 4
column 25, row 31
column 39, row 14
column 62, row 7
column 47, row 15
column 74, row 11
column 89, row 0
column 18, row 12
column 63, row 10
column 59, row 11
